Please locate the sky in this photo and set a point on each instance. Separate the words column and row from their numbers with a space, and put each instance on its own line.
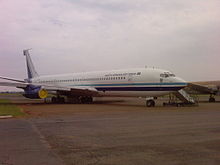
column 66, row 36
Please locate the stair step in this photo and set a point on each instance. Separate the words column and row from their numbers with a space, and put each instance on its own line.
column 184, row 96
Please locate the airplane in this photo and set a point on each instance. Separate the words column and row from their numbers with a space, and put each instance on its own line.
column 206, row 87
column 82, row 87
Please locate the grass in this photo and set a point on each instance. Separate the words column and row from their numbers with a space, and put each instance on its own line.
column 6, row 108
column 14, row 94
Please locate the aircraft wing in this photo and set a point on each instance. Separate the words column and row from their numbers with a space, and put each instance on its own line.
column 64, row 90
column 74, row 90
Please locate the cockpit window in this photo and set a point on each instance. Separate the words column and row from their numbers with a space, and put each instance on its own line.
column 172, row 75
column 167, row 74
column 163, row 75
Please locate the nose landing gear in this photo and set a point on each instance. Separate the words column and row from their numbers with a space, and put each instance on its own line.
column 150, row 103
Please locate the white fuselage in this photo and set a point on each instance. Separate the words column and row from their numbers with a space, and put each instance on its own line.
column 143, row 82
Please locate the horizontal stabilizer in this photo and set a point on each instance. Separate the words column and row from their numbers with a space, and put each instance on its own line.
column 13, row 84
column 12, row 79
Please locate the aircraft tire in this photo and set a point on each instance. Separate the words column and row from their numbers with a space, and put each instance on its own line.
column 90, row 100
column 86, row 100
column 54, row 100
column 150, row 103
column 57, row 100
column 61, row 100
column 74, row 100
column 211, row 99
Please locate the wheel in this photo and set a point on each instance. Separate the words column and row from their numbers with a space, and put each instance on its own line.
column 58, row 100
column 82, row 100
column 74, row 100
column 53, row 99
column 211, row 99
column 86, row 99
column 90, row 100
column 150, row 103
column 61, row 100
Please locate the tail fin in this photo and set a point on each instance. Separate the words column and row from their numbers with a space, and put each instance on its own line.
column 30, row 66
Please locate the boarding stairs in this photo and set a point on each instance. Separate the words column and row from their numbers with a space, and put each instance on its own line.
column 184, row 97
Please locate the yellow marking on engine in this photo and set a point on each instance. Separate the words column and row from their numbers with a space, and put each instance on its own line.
column 42, row 93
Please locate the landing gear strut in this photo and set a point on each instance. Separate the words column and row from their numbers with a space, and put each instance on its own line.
column 74, row 100
column 150, row 103
column 81, row 100
column 211, row 99
column 86, row 99
column 58, row 99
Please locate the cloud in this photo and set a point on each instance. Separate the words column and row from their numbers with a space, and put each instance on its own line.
column 74, row 36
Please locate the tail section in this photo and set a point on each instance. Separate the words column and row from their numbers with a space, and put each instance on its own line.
column 30, row 66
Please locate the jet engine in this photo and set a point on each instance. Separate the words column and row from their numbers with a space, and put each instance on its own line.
column 35, row 92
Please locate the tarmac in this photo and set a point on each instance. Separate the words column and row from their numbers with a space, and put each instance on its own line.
column 111, row 131
column 22, row 144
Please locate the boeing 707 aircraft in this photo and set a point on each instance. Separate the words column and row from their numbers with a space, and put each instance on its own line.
column 82, row 87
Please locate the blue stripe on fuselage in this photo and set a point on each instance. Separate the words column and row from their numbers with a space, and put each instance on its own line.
column 132, row 84
column 138, row 88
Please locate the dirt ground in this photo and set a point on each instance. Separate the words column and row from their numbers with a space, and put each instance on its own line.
column 36, row 108
column 124, row 131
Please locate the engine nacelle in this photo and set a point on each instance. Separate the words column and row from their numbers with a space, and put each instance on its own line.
column 35, row 92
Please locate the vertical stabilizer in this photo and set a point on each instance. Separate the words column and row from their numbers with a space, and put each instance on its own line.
column 30, row 66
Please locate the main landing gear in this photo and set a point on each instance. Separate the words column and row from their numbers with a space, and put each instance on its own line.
column 150, row 103
column 211, row 99
column 58, row 99
column 86, row 99
column 74, row 100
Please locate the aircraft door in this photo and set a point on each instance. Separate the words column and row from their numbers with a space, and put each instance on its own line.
column 130, row 77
